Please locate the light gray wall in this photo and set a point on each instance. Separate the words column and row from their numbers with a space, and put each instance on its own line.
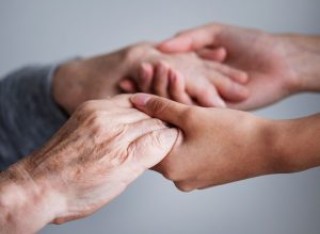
column 48, row 31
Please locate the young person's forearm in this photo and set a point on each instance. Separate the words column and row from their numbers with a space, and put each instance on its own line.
column 304, row 59
column 296, row 144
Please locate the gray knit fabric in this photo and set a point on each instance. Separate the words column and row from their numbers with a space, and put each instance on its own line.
column 28, row 114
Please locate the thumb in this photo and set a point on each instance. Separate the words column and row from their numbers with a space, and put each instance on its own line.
column 153, row 147
column 161, row 108
column 191, row 40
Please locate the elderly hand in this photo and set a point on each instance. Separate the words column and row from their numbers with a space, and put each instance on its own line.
column 95, row 78
column 186, row 78
column 276, row 64
column 102, row 148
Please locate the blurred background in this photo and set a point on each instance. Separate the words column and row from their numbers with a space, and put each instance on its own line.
column 42, row 31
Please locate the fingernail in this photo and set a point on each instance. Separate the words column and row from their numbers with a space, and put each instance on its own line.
column 140, row 99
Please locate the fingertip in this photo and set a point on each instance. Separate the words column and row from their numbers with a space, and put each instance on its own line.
column 217, row 55
column 218, row 102
column 175, row 45
column 127, row 86
column 243, row 77
column 210, row 98
column 140, row 99
column 236, row 92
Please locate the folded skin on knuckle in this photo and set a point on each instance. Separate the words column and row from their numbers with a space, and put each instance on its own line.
column 157, row 141
column 88, row 108
column 84, row 109
column 156, row 124
column 95, row 122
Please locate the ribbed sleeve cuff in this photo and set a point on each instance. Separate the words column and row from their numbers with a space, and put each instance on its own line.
column 28, row 114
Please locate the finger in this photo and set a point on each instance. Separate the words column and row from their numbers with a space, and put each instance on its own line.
column 142, row 127
column 146, row 74
column 191, row 40
column 177, row 88
column 231, row 90
column 160, row 80
column 116, row 116
column 218, row 54
column 153, row 147
column 127, row 86
column 207, row 96
column 120, row 101
column 143, row 77
column 161, row 108
column 232, row 73
column 185, row 186
column 116, row 102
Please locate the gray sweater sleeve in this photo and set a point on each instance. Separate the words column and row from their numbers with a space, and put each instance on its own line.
column 28, row 114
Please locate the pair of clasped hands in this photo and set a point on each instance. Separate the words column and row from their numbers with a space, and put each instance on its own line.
column 196, row 139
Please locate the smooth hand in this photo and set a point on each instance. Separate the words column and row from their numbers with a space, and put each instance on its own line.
column 186, row 78
column 274, row 63
column 216, row 146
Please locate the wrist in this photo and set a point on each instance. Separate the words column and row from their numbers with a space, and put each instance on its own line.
column 303, row 53
column 67, row 85
column 27, row 204
column 296, row 143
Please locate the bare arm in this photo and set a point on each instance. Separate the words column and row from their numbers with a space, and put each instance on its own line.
column 218, row 146
column 278, row 65
column 297, row 143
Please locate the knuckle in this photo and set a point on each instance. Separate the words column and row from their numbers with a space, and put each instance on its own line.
column 189, row 115
column 120, row 158
column 169, row 172
column 184, row 186
column 157, row 140
column 87, row 107
column 207, row 91
column 95, row 119
column 85, row 110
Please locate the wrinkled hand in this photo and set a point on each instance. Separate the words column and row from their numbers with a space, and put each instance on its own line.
column 102, row 148
column 266, row 58
column 186, row 78
column 94, row 78
column 216, row 146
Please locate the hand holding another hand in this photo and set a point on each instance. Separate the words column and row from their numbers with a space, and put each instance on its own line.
column 273, row 62
column 185, row 78
column 216, row 146
column 103, row 147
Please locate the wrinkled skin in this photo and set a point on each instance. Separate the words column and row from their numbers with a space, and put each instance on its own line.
column 102, row 148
